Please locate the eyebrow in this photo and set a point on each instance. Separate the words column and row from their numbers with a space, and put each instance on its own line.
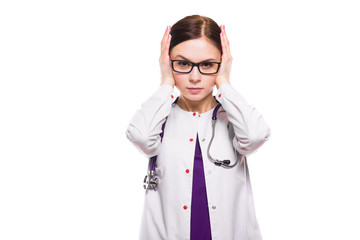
column 209, row 59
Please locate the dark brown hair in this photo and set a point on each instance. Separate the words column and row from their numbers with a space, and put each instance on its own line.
column 193, row 27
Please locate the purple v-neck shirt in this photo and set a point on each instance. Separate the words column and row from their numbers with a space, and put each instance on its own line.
column 200, row 221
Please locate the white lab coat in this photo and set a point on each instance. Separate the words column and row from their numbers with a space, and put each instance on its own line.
column 239, row 131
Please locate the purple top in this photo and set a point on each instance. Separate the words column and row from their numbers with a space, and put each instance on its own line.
column 200, row 221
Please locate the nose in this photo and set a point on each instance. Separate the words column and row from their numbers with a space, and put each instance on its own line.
column 195, row 75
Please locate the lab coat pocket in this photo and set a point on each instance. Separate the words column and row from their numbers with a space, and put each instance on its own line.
column 224, row 150
column 240, row 168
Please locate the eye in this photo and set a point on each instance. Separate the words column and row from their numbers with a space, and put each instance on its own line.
column 207, row 65
column 184, row 63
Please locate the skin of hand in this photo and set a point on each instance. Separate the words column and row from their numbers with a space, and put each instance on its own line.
column 165, row 67
column 225, row 68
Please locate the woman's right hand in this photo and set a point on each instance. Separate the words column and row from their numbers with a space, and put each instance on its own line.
column 165, row 67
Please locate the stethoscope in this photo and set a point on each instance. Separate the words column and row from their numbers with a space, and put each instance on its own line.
column 151, row 180
column 223, row 163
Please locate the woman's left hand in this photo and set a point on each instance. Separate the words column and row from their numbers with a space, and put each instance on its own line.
column 225, row 67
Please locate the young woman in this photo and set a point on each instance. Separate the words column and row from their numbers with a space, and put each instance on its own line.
column 199, row 196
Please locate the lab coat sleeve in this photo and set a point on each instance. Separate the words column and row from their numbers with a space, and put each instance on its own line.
column 250, row 128
column 146, row 125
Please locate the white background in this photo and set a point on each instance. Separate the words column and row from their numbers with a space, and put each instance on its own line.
column 73, row 73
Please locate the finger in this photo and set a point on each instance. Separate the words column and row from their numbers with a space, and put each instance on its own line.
column 223, row 41
column 164, row 39
column 165, row 33
column 226, row 39
column 223, row 44
column 168, row 45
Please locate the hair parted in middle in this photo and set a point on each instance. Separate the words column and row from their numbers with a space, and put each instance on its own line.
column 193, row 27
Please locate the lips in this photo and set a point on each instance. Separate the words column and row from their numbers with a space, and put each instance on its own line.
column 194, row 90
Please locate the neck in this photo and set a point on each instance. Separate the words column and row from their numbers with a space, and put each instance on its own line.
column 201, row 106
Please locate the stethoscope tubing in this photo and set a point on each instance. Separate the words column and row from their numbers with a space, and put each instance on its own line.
column 223, row 163
column 151, row 180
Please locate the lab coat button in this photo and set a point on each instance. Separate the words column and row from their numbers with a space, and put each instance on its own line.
column 172, row 96
column 185, row 207
column 219, row 95
column 194, row 114
column 191, row 139
column 213, row 207
column 187, row 171
column 203, row 139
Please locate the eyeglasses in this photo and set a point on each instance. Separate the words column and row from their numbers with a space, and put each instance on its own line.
column 183, row 66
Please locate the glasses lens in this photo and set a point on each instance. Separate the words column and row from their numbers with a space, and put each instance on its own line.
column 208, row 67
column 182, row 66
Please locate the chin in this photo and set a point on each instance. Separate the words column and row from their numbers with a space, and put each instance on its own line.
column 195, row 97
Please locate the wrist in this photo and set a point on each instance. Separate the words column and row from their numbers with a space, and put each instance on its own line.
column 219, row 83
column 167, row 81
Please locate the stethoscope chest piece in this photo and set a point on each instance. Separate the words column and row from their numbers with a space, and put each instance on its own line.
column 150, row 181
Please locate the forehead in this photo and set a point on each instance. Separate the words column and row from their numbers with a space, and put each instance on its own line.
column 196, row 50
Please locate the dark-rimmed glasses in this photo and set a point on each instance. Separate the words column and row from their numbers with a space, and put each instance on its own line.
column 183, row 66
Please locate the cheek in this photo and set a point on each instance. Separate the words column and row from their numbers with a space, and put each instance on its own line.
column 180, row 80
column 210, row 81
